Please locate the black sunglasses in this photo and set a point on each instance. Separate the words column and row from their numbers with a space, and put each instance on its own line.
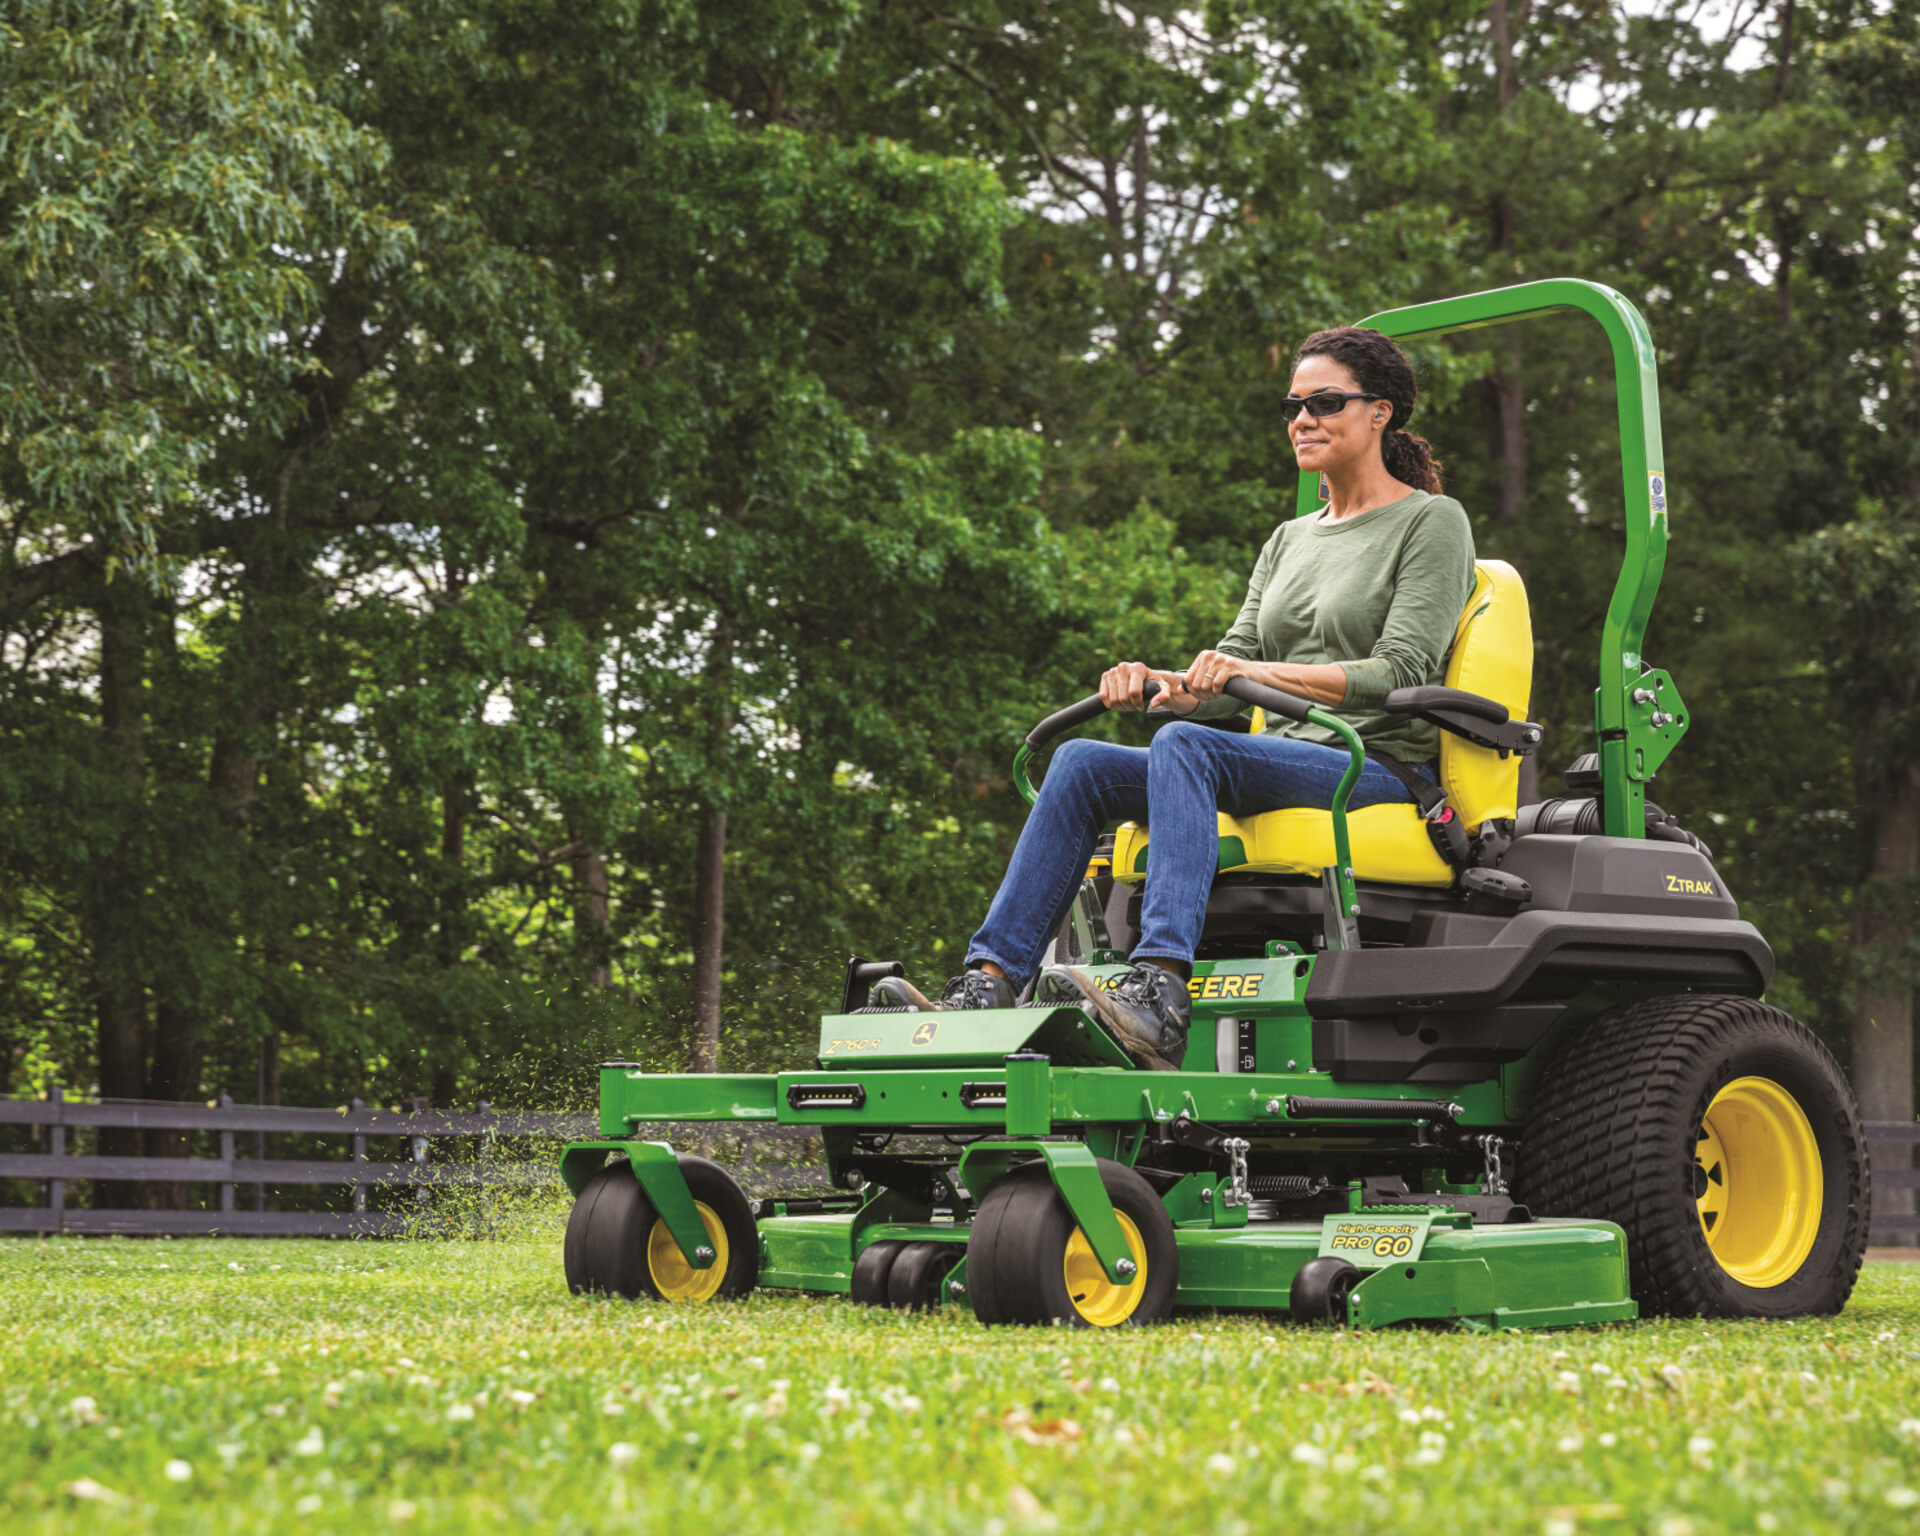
column 1325, row 402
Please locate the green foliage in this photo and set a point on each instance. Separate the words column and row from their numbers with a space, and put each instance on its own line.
column 450, row 452
column 450, row 1386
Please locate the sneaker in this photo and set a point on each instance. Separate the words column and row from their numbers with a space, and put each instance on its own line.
column 1148, row 1013
column 970, row 989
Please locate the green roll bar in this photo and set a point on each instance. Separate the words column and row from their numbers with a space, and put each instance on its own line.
column 1637, row 715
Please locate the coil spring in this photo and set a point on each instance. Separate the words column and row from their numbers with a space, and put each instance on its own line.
column 1285, row 1186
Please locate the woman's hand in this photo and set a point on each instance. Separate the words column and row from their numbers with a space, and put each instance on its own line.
column 1120, row 688
column 1210, row 672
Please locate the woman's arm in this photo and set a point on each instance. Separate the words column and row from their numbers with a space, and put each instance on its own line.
column 1325, row 683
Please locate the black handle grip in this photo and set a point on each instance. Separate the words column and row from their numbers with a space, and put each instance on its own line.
column 1272, row 700
column 1062, row 721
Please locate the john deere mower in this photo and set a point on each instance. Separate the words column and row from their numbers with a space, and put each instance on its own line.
column 1459, row 1062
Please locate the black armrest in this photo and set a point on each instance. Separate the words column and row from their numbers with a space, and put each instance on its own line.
column 1483, row 721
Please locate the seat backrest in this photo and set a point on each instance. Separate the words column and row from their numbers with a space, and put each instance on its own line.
column 1492, row 655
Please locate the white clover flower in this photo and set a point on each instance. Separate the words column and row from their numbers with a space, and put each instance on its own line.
column 1433, row 1415
column 404, row 1363
column 521, row 1398
column 613, row 1409
column 1878, row 1338
column 1559, row 1525
column 462, row 1412
column 623, row 1454
column 1109, row 1384
column 402, row 1509
column 310, row 1505
column 1673, row 1376
column 809, row 1453
column 311, row 1444
column 1427, row 1456
column 1309, row 1455
column 1433, row 1439
column 86, row 1488
column 1600, row 1368
column 1220, row 1464
column 1123, row 1436
column 1908, row 1429
column 756, row 1362
column 1344, row 1463
column 1568, row 1444
column 177, row 1471
column 1609, row 1440
column 1674, row 1525
column 1408, row 1416
column 1902, row 1497
column 1701, row 1445
column 837, row 1396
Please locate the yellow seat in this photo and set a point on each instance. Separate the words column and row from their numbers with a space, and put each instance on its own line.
column 1492, row 655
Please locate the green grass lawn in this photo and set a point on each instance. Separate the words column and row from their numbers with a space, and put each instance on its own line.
column 304, row 1386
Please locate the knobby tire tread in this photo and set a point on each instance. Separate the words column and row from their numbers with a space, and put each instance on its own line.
column 1610, row 1112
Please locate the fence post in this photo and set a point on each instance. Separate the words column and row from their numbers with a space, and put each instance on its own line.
column 57, row 1144
column 226, row 1156
column 482, row 1156
column 420, row 1154
column 359, row 1156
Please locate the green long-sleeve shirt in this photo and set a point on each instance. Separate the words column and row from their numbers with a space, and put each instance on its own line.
column 1379, row 595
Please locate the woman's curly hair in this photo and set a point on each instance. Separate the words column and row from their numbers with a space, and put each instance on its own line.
column 1381, row 368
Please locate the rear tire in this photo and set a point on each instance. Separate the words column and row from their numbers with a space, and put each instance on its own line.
column 1036, row 1266
column 617, row 1245
column 1722, row 1137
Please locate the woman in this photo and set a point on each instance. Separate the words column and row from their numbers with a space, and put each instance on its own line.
column 1343, row 608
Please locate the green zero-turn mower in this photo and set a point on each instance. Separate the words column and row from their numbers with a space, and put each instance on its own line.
column 1449, row 1062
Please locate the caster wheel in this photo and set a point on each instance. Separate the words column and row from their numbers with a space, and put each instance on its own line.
column 914, row 1281
column 871, row 1271
column 617, row 1245
column 1320, row 1291
column 1029, row 1262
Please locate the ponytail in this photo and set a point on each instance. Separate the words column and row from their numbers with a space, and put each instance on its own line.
column 1381, row 368
column 1410, row 460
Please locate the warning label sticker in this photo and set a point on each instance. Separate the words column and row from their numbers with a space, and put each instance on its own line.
column 1657, row 492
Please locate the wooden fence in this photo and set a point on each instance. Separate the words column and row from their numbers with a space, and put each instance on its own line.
column 431, row 1144
column 763, row 1157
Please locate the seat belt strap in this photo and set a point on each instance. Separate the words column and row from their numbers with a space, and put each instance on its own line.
column 1444, row 827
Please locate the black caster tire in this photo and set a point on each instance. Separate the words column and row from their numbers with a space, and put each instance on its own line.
column 616, row 1244
column 1320, row 1291
column 1723, row 1138
column 914, row 1281
column 1038, row 1267
column 870, row 1272
column 983, row 1239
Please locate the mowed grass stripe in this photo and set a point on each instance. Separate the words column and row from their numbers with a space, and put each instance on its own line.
column 318, row 1387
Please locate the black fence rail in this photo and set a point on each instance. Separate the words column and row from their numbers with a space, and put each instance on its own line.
column 765, row 1158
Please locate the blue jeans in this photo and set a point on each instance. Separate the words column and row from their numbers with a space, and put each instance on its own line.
column 1176, row 785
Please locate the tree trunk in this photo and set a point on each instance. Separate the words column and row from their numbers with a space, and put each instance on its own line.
column 113, row 918
column 1883, row 930
column 709, row 925
column 592, row 917
column 175, row 1078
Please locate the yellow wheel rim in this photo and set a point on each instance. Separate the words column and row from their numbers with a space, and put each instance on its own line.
column 1758, row 1180
column 675, row 1278
column 1094, row 1296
